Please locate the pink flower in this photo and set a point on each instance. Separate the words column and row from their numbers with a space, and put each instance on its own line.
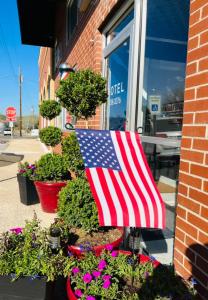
column 75, row 270
column 102, row 264
column 106, row 277
column 16, row 230
column 109, row 247
column 114, row 253
column 90, row 298
column 78, row 293
column 96, row 274
column 106, row 284
column 87, row 278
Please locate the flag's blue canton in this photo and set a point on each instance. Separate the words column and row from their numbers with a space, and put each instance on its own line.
column 97, row 149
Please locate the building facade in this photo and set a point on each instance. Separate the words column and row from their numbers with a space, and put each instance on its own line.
column 153, row 54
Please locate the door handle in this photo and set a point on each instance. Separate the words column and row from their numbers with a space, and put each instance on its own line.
column 140, row 129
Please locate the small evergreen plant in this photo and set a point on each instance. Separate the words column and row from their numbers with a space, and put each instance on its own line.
column 50, row 109
column 50, row 136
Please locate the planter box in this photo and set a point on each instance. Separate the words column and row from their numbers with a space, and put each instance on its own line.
column 28, row 193
column 26, row 289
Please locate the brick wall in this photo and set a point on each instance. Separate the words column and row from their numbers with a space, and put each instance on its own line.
column 191, row 240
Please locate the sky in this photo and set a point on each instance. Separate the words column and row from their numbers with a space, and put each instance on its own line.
column 14, row 55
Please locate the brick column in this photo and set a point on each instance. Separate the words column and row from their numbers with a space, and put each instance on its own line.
column 191, row 238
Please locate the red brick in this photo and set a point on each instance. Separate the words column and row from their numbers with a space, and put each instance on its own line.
column 179, row 234
column 190, row 180
column 206, row 159
column 197, row 273
column 191, row 69
column 188, row 203
column 192, row 131
column 182, row 189
column 200, row 144
column 181, row 271
column 205, row 11
column 197, row 105
column 202, row 92
column 203, row 238
column 201, row 118
column 205, row 186
column 187, row 227
column 192, row 156
column 184, row 166
column 187, row 264
column 189, row 94
column 181, row 212
column 197, row 79
column 194, row 17
column 186, row 142
column 193, row 43
column 204, row 211
column 188, row 118
column 201, row 171
column 198, row 222
column 198, row 196
column 197, row 4
column 178, row 256
column 204, row 38
column 198, row 27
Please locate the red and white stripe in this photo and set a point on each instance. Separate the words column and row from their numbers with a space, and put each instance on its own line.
column 128, row 197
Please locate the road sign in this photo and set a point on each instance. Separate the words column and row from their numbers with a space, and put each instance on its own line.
column 11, row 114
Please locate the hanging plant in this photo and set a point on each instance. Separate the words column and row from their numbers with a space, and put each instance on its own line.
column 50, row 136
column 50, row 109
column 82, row 92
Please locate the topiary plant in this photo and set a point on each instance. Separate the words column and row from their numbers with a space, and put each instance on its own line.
column 51, row 167
column 82, row 92
column 51, row 136
column 76, row 205
column 71, row 151
column 50, row 109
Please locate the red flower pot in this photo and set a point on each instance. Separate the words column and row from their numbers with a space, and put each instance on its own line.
column 48, row 194
column 142, row 258
column 77, row 251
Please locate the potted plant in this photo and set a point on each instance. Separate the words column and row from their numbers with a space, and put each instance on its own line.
column 82, row 92
column 117, row 275
column 77, row 208
column 49, row 109
column 29, row 269
column 50, row 136
column 71, row 152
column 50, row 177
column 28, row 193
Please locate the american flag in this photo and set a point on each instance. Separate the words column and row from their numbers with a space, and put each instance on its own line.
column 120, row 179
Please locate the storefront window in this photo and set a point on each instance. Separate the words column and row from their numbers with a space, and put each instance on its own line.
column 118, row 63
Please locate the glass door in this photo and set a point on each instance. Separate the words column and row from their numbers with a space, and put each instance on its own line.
column 160, row 105
column 118, row 62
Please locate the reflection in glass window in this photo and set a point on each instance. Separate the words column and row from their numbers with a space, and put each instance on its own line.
column 122, row 24
column 165, row 61
column 118, row 63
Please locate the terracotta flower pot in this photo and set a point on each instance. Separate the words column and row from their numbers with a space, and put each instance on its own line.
column 77, row 250
column 48, row 194
column 142, row 258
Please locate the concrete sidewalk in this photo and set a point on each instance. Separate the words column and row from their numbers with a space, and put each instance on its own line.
column 12, row 212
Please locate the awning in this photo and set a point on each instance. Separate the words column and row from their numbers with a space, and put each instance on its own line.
column 37, row 21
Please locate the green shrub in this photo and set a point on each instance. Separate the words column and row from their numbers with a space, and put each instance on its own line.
column 26, row 252
column 77, row 207
column 51, row 136
column 50, row 109
column 51, row 167
column 82, row 92
column 71, row 151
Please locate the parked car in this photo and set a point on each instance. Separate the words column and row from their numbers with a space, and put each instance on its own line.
column 7, row 131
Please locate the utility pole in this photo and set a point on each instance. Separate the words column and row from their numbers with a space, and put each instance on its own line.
column 20, row 101
column 33, row 117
